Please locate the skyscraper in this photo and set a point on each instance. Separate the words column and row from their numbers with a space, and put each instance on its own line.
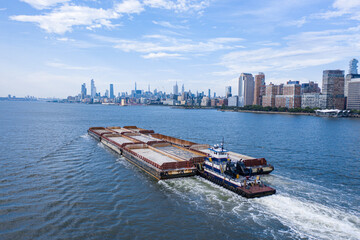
column 353, row 75
column 240, row 91
column 333, row 89
column 93, row 89
column 112, row 96
column 83, row 91
column 259, row 83
column 353, row 99
column 176, row 89
column 228, row 91
column 182, row 89
column 353, row 66
column 209, row 95
column 246, row 89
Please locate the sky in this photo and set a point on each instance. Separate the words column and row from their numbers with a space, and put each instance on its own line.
column 50, row 47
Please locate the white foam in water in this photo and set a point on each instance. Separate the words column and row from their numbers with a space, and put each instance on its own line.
column 204, row 194
column 305, row 218
column 85, row 136
column 101, row 145
column 312, row 220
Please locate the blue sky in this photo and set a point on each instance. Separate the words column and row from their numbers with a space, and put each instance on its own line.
column 50, row 47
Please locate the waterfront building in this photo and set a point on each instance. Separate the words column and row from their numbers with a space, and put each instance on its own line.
column 83, row 91
column 246, row 89
column 233, row 101
column 313, row 100
column 310, row 87
column 228, row 91
column 353, row 99
column 333, row 88
column 93, row 89
column 259, row 88
column 271, row 90
column 205, row 102
column 106, row 93
column 290, row 97
column 112, row 96
column 169, row 101
column 214, row 102
column 348, row 79
column 222, row 102
column 175, row 89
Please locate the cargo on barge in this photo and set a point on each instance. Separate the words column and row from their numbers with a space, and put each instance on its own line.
column 160, row 159
column 165, row 157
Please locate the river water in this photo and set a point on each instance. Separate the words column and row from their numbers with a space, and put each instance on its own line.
column 56, row 182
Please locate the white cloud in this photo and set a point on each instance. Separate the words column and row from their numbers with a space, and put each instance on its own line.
column 341, row 8
column 3, row 9
column 169, row 25
column 302, row 50
column 64, row 39
column 297, row 23
column 178, row 5
column 226, row 40
column 42, row 4
column 129, row 6
column 161, row 55
column 346, row 5
column 65, row 66
column 165, row 44
column 62, row 19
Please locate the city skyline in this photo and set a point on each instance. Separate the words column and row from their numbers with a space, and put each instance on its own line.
column 158, row 43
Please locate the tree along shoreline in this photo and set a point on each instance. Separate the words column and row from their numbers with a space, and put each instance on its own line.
column 261, row 109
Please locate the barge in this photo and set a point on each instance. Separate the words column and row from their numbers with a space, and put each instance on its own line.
column 160, row 159
column 165, row 157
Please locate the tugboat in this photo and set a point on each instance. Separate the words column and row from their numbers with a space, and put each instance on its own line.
column 233, row 175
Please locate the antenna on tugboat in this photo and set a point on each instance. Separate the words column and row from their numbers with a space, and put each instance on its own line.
column 222, row 144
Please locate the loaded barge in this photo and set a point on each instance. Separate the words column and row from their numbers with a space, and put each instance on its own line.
column 165, row 157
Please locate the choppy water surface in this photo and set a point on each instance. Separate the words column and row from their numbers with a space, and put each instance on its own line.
column 56, row 182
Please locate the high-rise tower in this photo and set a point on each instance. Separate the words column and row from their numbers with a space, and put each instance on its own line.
column 228, row 91
column 112, row 96
column 333, row 89
column 353, row 66
column 93, row 89
column 83, row 91
column 246, row 89
column 259, row 84
column 176, row 89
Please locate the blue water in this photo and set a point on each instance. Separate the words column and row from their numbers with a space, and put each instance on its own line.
column 56, row 182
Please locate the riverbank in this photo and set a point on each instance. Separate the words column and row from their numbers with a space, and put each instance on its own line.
column 302, row 112
column 267, row 112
